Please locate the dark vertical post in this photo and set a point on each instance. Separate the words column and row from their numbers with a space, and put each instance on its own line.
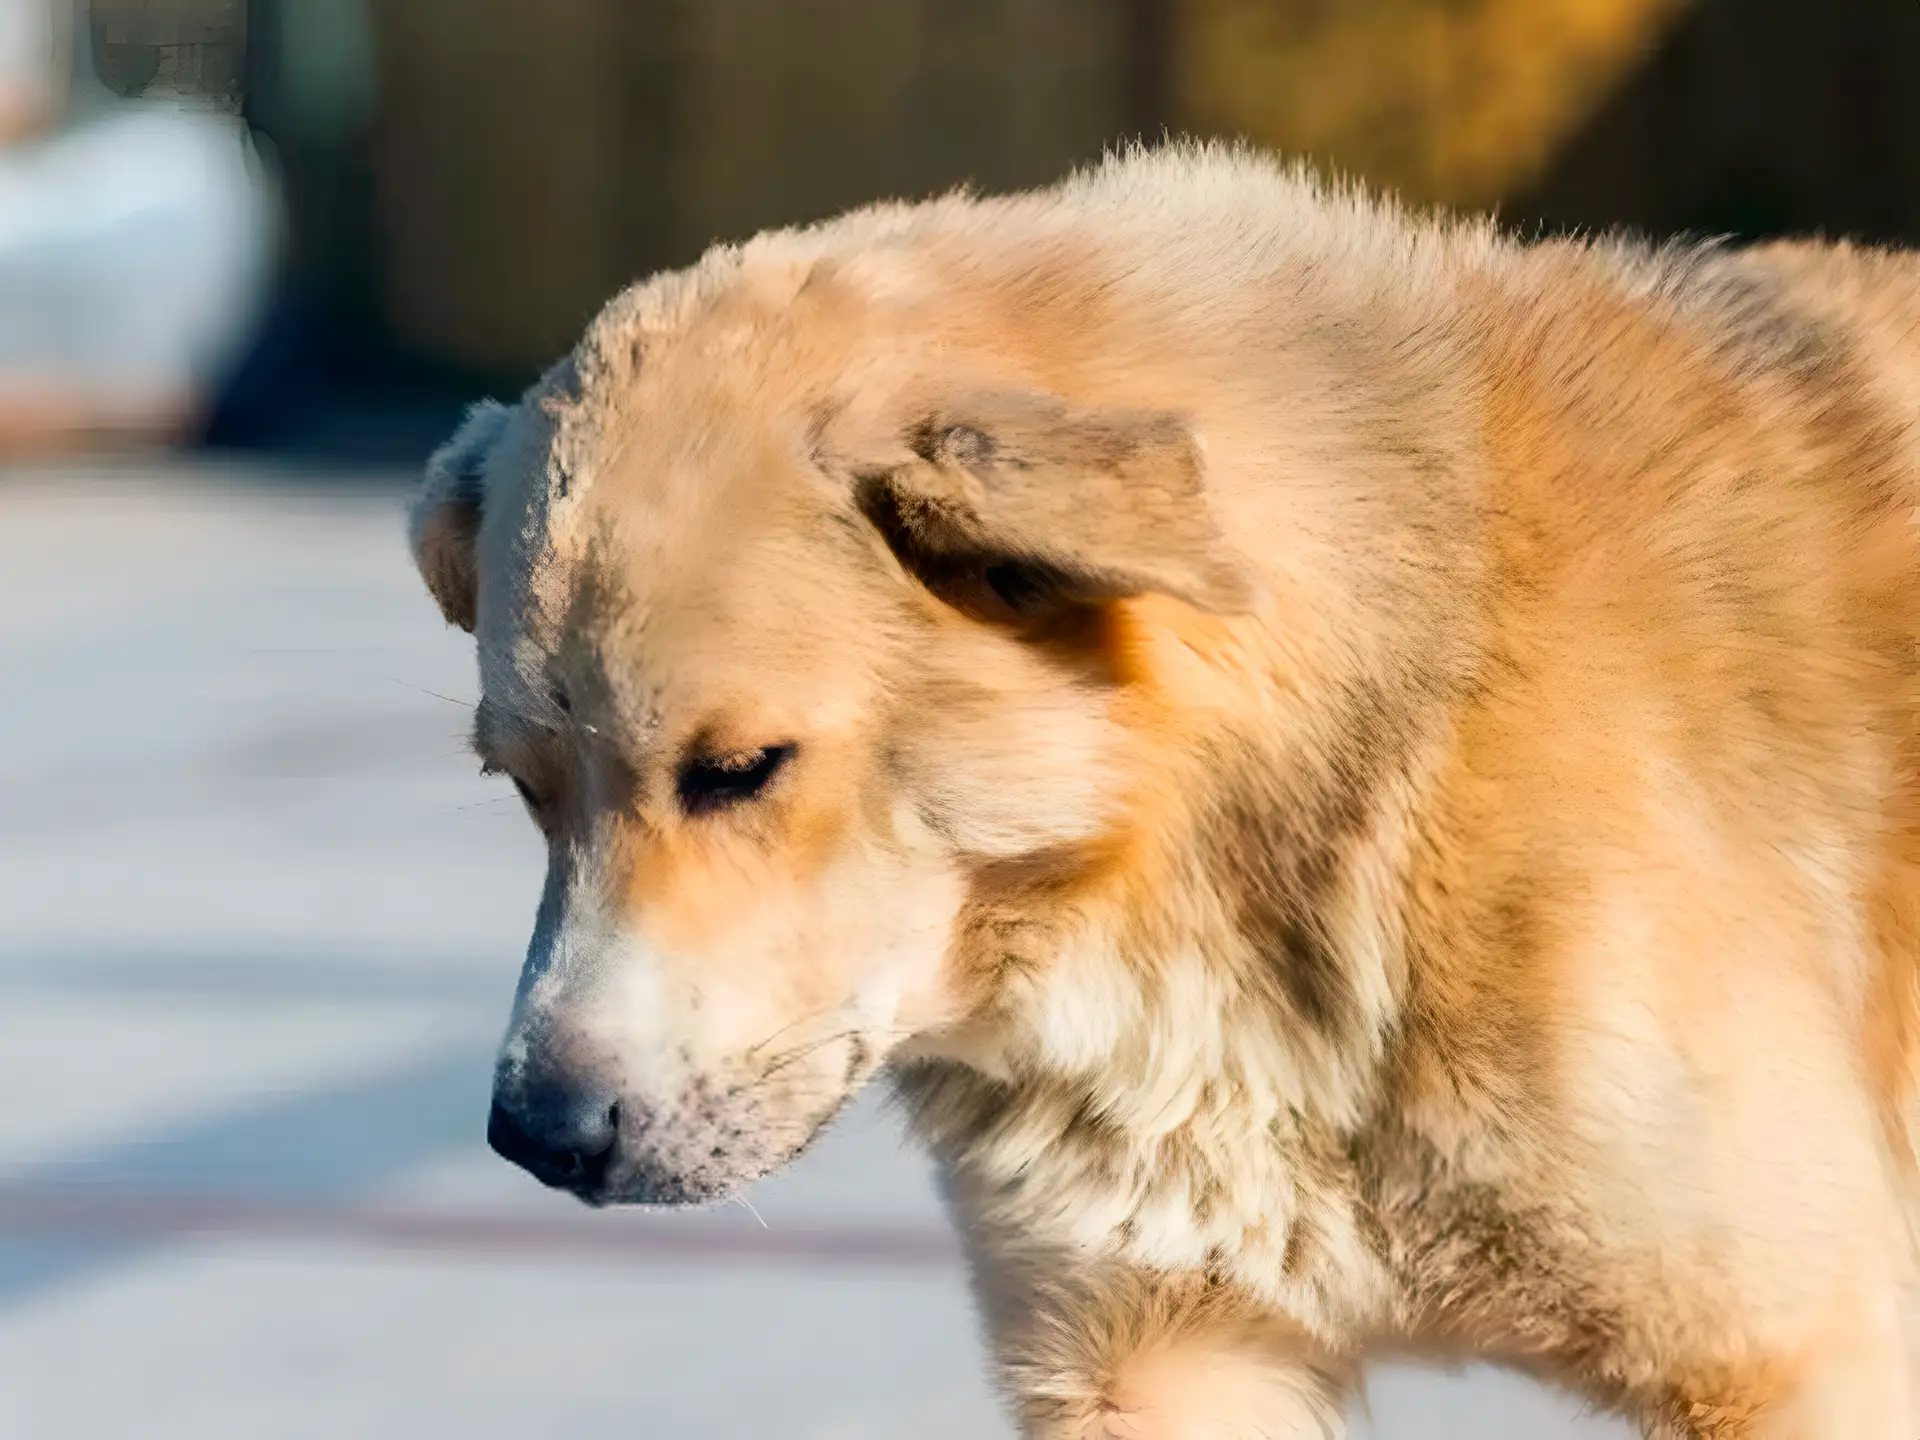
column 1152, row 33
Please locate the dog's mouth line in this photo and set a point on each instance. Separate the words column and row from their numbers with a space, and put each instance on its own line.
column 701, row 1195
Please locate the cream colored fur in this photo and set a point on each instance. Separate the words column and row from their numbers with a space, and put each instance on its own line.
column 1359, row 776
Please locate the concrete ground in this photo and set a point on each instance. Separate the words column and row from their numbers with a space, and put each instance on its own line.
column 259, row 922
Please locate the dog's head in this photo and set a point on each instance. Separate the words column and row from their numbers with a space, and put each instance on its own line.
column 805, row 653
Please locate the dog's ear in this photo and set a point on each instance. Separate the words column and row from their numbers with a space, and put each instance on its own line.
column 1026, row 503
column 444, row 525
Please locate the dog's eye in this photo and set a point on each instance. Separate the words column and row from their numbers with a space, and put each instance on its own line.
column 709, row 782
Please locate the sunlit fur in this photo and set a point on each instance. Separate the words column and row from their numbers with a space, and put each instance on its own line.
column 1448, row 881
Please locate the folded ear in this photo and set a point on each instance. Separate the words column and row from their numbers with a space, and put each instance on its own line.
column 444, row 524
column 1032, row 502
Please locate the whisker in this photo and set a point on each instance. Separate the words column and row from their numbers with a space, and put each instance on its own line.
column 807, row 1019
column 748, row 1204
column 789, row 1057
column 800, row 1052
column 463, row 704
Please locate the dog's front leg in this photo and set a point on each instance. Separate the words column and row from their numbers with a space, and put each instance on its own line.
column 1108, row 1353
column 1201, row 1388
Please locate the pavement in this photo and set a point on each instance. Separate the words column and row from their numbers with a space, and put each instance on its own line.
column 260, row 919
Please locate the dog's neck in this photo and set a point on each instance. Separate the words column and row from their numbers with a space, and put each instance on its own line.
column 1183, row 1074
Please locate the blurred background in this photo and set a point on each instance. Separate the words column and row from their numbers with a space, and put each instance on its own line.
column 260, row 919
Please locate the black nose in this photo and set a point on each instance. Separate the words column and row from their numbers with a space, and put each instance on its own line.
column 565, row 1145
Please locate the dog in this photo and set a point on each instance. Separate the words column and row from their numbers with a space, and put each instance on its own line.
column 1356, row 776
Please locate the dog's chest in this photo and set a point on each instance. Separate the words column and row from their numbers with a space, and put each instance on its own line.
column 1255, row 1197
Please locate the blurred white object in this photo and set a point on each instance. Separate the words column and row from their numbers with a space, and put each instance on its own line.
column 135, row 245
column 132, row 253
column 26, row 43
column 31, row 73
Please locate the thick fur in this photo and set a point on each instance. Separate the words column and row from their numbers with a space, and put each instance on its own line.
column 1358, row 775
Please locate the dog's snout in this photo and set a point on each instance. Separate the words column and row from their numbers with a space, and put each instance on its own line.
column 562, row 1140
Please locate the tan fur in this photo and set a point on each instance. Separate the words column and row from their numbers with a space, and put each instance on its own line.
column 1360, row 775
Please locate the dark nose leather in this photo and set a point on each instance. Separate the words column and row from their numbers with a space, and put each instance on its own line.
column 563, row 1140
